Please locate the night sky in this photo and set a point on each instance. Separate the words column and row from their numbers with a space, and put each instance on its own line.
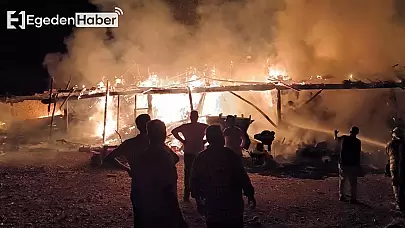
column 23, row 51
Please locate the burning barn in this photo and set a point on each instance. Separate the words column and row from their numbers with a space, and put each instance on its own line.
column 103, row 115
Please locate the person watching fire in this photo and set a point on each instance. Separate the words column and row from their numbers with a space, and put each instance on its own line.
column 396, row 153
column 217, row 182
column 193, row 142
column 131, row 148
column 349, row 163
column 234, row 137
column 155, row 183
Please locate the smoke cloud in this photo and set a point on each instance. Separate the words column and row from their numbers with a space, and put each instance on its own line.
column 305, row 37
column 150, row 37
column 339, row 37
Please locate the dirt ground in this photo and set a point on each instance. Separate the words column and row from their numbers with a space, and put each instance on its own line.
column 60, row 189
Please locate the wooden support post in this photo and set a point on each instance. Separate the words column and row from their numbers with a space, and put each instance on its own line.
column 200, row 105
column 313, row 97
column 118, row 113
column 66, row 113
column 52, row 118
column 150, row 107
column 105, row 111
column 135, row 108
column 278, row 107
column 190, row 98
column 50, row 94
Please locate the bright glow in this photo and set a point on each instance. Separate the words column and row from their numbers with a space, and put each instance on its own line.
column 57, row 113
column 176, row 107
column 111, row 125
column 277, row 74
column 170, row 108
column 98, row 118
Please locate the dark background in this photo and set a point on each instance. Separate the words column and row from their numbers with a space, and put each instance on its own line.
column 23, row 51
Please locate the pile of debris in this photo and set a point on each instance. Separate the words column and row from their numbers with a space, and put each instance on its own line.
column 315, row 161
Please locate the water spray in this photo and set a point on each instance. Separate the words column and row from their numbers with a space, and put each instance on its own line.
column 330, row 131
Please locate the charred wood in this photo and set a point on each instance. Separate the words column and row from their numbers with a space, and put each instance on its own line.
column 183, row 90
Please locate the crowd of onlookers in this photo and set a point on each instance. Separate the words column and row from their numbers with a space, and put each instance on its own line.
column 214, row 176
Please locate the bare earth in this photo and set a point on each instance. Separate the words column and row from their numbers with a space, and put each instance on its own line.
column 60, row 189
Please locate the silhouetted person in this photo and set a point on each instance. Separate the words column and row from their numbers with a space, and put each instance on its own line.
column 396, row 152
column 132, row 147
column 234, row 137
column 217, row 182
column 349, row 163
column 193, row 142
column 155, row 183
column 267, row 138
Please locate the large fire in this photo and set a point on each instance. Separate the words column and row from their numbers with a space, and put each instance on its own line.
column 170, row 108
column 175, row 107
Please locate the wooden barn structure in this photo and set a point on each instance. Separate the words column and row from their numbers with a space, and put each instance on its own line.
column 66, row 95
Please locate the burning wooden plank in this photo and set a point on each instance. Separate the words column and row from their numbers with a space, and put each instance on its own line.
column 184, row 90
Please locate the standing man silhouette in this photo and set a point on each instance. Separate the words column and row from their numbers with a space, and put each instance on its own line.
column 155, row 183
column 131, row 150
column 235, row 138
column 218, row 181
column 193, row 142
column 396, row 153
column 349, row 163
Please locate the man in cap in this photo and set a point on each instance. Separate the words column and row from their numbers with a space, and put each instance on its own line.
column 234, row 137
column 155, row 183
column 396, row 153
column 217, row 182
column 193, row 142
column 349, row 163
